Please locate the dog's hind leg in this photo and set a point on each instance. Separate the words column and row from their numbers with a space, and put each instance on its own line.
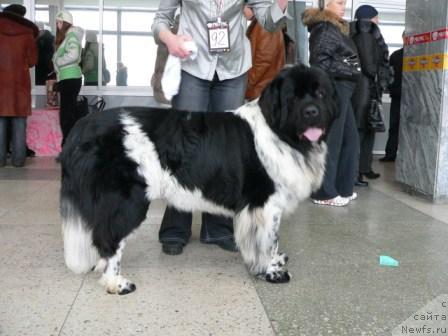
column 116, row 217
column 112, row 279
column 256, row 235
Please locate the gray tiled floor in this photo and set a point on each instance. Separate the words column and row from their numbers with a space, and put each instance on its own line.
column 338, row 287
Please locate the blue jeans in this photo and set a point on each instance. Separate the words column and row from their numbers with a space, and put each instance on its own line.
column 18, row 140
column 201, row 95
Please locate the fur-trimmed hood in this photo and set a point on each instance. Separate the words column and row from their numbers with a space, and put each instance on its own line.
column 313, row 16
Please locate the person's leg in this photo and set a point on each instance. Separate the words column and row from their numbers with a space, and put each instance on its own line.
column 64, row 108
column 334, row 142
column 349, row 156
column 18, row 141
column 8, row 135
column 194, row 94
column 362, row 133
column 366, row 155
column 69, row 90
column 175, row 230
column 359, row 181
column 3, row 140
column 394, row 125
column 225, row 95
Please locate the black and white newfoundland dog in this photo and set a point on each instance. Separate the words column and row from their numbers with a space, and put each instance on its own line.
column 254, row 164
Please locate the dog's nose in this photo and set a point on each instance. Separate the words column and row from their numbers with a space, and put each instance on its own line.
column 310, row 111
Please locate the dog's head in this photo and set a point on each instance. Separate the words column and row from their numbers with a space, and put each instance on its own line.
column 299, row 105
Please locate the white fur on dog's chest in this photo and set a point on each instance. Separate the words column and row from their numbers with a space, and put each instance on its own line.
column 295, row 179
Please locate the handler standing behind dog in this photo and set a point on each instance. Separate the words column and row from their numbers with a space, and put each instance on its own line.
column 214, row 81
column 332, row 50
column 66, row 64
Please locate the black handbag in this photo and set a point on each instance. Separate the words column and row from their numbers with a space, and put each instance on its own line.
column 375, row 116
column 98, row 105
column 83, row 107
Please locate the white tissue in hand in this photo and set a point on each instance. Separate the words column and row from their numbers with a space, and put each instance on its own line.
column 192, row 47
column 172, row 73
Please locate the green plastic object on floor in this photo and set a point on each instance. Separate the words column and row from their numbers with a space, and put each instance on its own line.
column 388, row 261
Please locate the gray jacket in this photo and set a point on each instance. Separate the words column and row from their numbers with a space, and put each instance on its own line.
column 194, row 17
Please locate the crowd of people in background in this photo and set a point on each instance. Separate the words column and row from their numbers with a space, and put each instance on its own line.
column 59, row 58
column 219, row 78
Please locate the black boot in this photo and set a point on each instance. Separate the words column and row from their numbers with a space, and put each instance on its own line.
column 371, row 175
column 172, row 247
column 360, row 182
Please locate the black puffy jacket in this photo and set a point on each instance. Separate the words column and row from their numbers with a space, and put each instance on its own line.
column 331, row 47
column 396, row 62
column 374, row 58
column 45, row 47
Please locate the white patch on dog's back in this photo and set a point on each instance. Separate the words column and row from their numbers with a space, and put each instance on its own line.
column 295, row 176
column 161, row 182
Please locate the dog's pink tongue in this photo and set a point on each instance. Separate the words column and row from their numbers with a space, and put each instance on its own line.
column 313, row 134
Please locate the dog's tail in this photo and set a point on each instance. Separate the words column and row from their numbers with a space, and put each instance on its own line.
column 80, row 254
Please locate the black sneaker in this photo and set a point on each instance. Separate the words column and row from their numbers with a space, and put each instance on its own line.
column 361, row 183
column 371, row 175
column 30, row 153
column 172, row 248
column 228, row 245
column 387, row 159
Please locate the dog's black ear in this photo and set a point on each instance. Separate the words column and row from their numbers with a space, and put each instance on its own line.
column 273, row 102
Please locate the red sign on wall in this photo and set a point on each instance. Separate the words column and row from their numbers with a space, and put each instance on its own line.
column 437, row 35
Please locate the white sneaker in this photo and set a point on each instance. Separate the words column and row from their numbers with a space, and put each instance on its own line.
column 338, row 201
column 352, row 197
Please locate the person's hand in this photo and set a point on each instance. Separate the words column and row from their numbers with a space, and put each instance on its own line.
column 175, row 43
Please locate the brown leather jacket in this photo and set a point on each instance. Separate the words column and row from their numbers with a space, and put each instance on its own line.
column 18, row 54
column 268, row 58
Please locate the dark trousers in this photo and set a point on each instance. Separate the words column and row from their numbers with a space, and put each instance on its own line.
column 343, row 149
column 201, row 95
column 68, row 90
column 394, row 126
column 18, row 140
column 367, row 140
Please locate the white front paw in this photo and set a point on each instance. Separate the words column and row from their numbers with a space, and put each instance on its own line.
column 117, row 285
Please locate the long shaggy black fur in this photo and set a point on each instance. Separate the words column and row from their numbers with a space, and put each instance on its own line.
column 111, row 160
